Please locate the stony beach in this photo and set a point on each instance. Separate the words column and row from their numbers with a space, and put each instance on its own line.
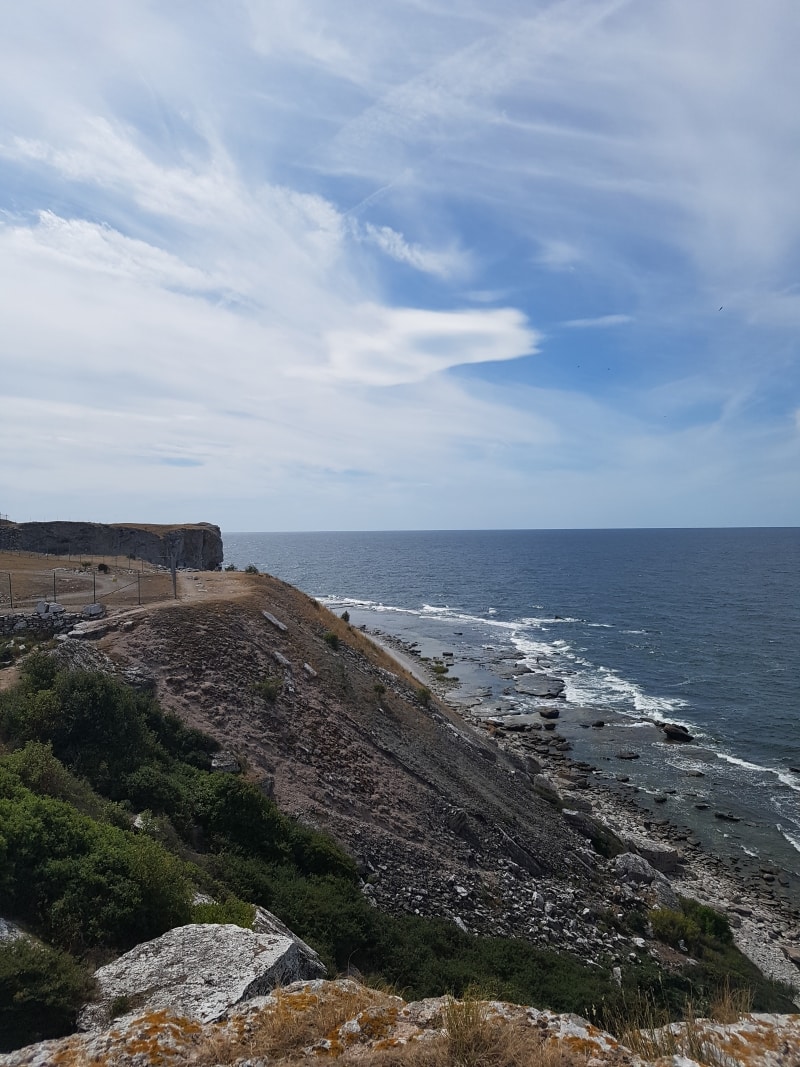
column 761, row 905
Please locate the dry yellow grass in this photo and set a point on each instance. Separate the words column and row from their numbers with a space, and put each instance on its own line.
column 303, row 1026
column 76, row 581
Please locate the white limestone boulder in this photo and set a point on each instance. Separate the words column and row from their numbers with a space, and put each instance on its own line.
column 199, row 971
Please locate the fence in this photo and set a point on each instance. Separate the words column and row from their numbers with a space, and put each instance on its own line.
column 102, row 583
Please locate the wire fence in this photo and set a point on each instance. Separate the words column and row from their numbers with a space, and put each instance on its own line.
column 76, row 584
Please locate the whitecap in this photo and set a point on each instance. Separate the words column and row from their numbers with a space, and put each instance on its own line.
column 792, row 838
column 786, row 777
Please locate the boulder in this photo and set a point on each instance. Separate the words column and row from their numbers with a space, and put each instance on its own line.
column 88, row 631
column 663, row 857
column 93, row 611
column 10, row 931
column 602, row 836
column 627, row 753
column 636, row 872
column 633, row 869
column 549, row 713
column 226, row 762
column 540, row 685
column 675, row 732
column 139, row 679
column 546, row 789
column 200, row 971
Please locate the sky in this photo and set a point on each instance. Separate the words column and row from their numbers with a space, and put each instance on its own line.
column 405, row 264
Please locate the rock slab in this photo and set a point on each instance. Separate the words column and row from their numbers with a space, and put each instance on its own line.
column 200, row 971
column 541, row 685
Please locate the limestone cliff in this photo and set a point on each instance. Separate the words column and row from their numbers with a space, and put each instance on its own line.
column 193, row 545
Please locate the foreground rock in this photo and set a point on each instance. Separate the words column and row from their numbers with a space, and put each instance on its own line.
column 360, row 1021
column 200, row 971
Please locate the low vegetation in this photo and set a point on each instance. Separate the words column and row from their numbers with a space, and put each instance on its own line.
column 111, row 819
column 268, row 688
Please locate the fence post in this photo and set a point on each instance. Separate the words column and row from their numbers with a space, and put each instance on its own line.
column 55, row 598
column 94, row 588
column 139, row 587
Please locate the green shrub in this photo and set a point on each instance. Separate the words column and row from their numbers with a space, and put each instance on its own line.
column 331, row 639
column 712, row 924
column 81, row 882
column 41, row 990
column 379, row 689
column 345, row 616
column 672, row 927
column 424, row 696
column 231, row 910
column 231, row 567
column 251, row 568
column 268, row 688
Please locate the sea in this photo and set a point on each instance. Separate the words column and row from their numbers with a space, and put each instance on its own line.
column 698, row 627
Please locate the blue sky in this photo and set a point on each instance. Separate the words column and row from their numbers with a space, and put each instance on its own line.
column 286, row 264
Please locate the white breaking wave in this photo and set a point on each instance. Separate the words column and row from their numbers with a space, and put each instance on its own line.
column 792, row 838
column 786, row 777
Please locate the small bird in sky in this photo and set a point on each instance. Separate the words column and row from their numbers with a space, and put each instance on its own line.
column 722, row 306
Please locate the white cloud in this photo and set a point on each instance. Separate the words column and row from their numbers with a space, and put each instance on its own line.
column 558, row 255
column 204, row 219
column 442, row 264
column 392, row 346
column 602, row 322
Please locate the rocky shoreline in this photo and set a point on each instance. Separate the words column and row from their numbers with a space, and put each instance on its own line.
column 766, row 926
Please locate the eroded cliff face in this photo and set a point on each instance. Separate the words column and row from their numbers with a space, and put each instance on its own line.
column 193, row 545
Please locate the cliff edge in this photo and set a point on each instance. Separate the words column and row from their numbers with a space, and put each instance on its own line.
column 197, row 545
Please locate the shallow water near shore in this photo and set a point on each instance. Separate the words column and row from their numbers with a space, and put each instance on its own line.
column 697, row 627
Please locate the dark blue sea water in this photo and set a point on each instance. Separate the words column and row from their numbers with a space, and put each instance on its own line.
column 700, row 627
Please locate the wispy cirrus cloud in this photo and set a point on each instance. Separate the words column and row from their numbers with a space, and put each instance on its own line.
column 246, row 252
column 601, row 322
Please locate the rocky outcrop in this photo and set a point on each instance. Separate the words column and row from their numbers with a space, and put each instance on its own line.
column 201, row 971
column 541, row 685
column 9, row 931
column 675, row 732
column 343, row 1021
column 602, row 836
column 196, row 545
